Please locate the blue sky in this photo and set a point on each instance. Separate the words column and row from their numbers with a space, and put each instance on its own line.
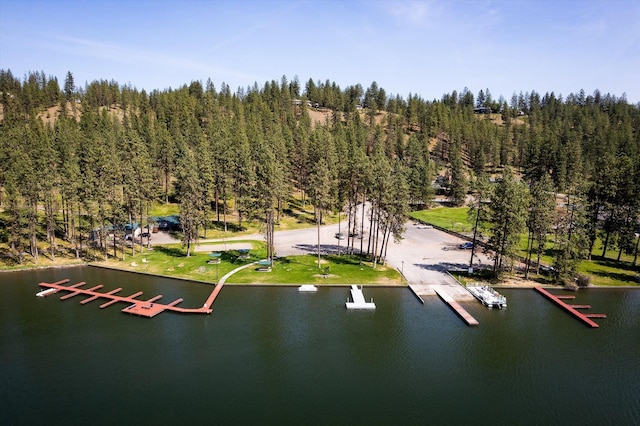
column 422, row 47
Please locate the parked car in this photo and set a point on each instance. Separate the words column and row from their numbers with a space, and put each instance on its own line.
column 466, row 246
column 145, row 235
column 547, row 270
column 340, row 236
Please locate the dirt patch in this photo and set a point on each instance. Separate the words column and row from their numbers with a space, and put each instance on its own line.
column 518, row 282
column 319, row 116
column 324, row 276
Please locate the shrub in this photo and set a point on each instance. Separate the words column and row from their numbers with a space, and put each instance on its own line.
column 570, row 284
column 583, row 280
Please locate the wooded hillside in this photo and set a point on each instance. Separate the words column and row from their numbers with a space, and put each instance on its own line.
column 82, row 160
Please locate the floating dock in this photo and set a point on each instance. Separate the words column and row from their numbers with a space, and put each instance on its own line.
column 358, row 300
column 145, row 308
column 572, row 309
column 462, row 313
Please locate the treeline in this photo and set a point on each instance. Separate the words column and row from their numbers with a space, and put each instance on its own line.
column 108, row 151
column 80, row 176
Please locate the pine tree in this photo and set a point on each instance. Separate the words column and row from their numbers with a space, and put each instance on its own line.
column 320, row 191
column 478, row 213
column 540, row 219
column 192, row 206
column 69, row 86
column 571, row 238
column 507, row 218
column 458, row 186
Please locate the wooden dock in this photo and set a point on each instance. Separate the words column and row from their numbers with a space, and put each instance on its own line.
column 145, row 308
column 572, row 309
column 462, row 313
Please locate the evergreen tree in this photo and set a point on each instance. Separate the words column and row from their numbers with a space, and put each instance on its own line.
column 69, row 86
column 540, row 219
column 192, row 206
column 571, row 239
column 320, row 188
column 508, row 209
column 458, row 185
column 478, row 213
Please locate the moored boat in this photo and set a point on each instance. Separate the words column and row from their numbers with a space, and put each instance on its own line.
column 488, row 296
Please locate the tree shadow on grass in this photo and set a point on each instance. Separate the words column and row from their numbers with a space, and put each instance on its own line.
column 170, row 251
column 231, row 226
column 344, row 259
column 614, row 264
column 325, row 249
column 617, row 276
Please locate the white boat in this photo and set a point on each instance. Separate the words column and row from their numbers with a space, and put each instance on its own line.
column 488, row 296
column 45, row 293
column 358, row 300
column 307, row 288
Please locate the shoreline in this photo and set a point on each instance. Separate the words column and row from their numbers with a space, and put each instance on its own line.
column 113, row 268
column 38, row 268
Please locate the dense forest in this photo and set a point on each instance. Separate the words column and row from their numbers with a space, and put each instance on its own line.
column 78, row 162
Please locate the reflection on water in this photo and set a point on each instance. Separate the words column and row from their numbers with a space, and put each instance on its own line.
column 277, row 356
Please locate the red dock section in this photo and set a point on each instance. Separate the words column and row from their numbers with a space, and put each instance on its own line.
column 572, row 309
column 145, row 308
column 213, row 295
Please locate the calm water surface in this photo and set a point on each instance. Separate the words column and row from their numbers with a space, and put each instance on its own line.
column 276, row 356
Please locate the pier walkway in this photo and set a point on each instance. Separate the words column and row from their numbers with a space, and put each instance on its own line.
column 462, row 313
column 145, row 308
column 572, row 309
column 450, row 291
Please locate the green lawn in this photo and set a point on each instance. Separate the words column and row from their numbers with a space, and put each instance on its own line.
column 171, row 261
column 610, row 272
column 162, row 209
column 334, row 270
column 452, row 218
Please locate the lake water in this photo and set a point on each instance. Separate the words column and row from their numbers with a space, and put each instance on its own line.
column 276, row 356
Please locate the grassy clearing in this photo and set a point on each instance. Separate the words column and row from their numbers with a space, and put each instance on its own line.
column 452, row 218
column 610, row 272
column 171, row 261
column 334, row 270
column 162, row 209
